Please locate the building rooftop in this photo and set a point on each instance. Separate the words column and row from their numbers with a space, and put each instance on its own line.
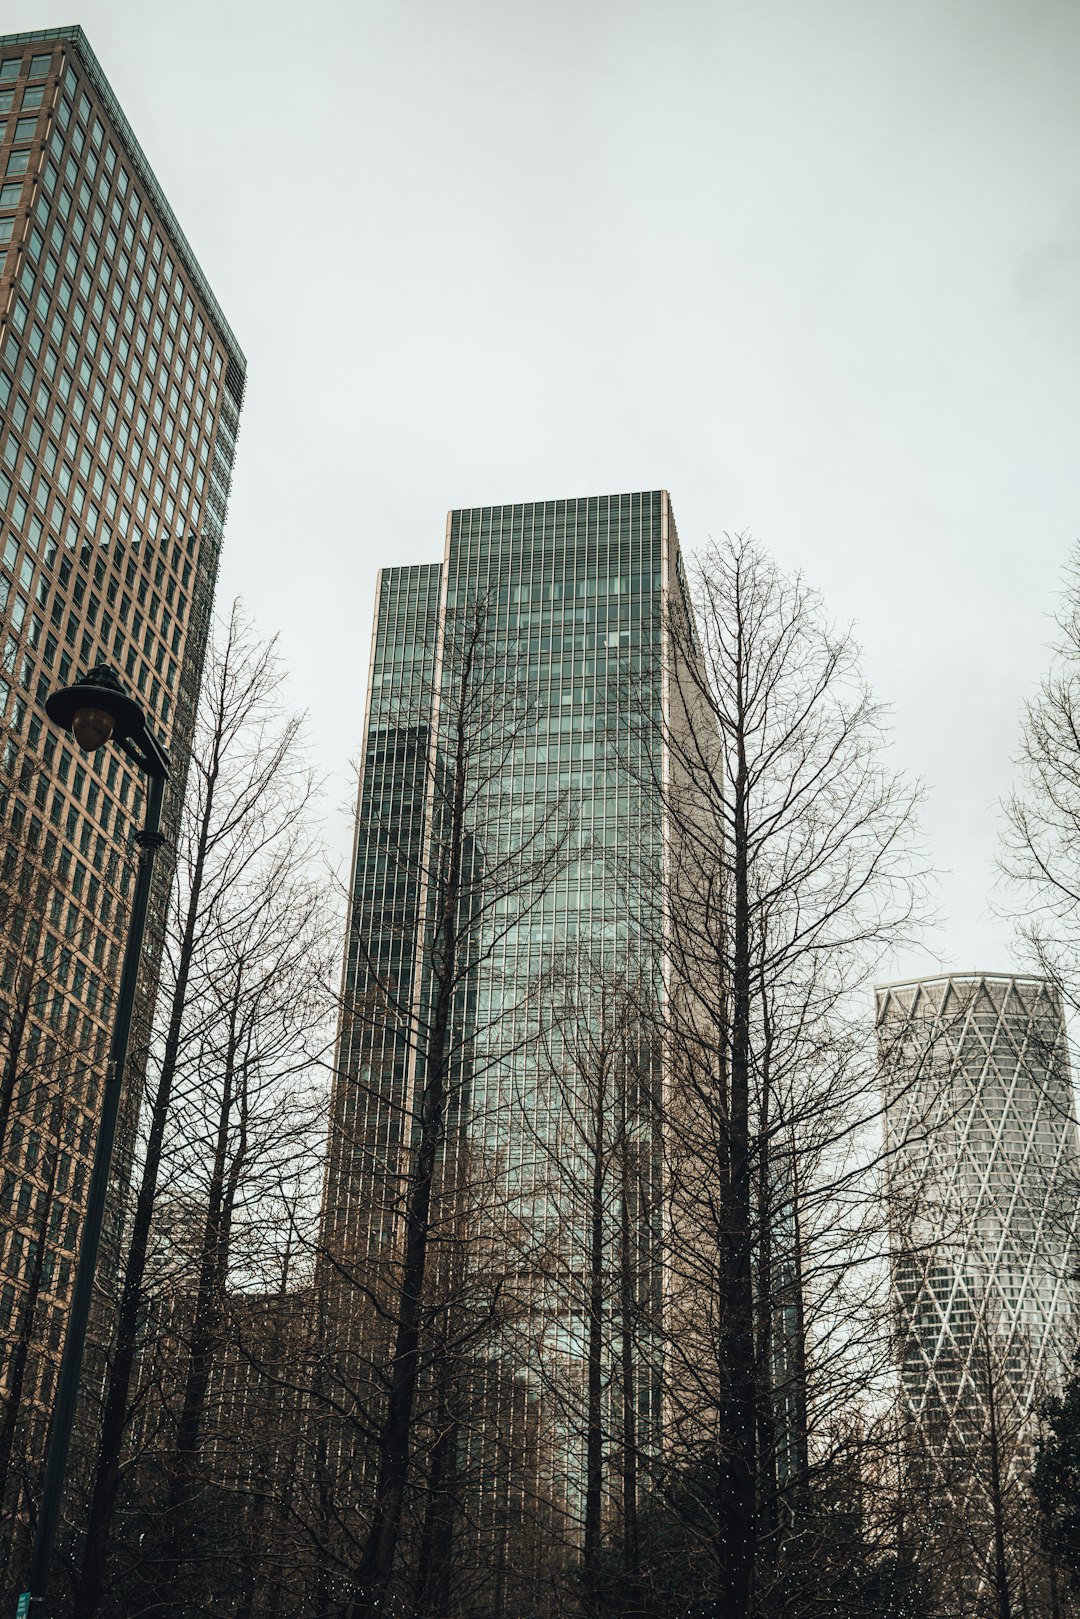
column 967, row 975
column 140, row 163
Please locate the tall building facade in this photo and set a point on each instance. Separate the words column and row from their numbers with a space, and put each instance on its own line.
column 121, row 384
column 559, row 614
column 982, row 1139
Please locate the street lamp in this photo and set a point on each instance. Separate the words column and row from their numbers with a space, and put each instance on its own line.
column 96, row 710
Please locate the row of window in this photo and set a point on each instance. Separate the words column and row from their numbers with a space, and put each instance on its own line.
column 91, row 147
column 71, row 309
column 19, row 607
column 103, row 214
column 110, row 387
column 21, row 131
column 639, row 506
column 548, row 589
column 87, row 511
column 25, row 651
column 84, row 905
column 83, row 525
column 82, row 609
column 89, row 144
column 17, row 1262
column 79, row 409
column 90, row 502
column 59, row 1009
column 38, row 68
column 78, row 428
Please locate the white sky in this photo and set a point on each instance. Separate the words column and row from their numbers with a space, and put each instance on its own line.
column 811, row 266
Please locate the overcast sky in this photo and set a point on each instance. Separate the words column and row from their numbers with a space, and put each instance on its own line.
column 812, row 267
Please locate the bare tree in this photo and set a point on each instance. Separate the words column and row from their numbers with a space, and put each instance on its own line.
column 242, row 1123
column 242, row 909
column 1040, row 862
column 596, row 1041
column 39, row 1259
column 444, row 878
column 793, row 870
column 46, row 1061
column 1042, row 834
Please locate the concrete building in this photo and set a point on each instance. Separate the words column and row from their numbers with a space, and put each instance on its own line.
column 121, row 384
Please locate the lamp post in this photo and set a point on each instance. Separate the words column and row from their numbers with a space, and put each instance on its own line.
column 96, row 710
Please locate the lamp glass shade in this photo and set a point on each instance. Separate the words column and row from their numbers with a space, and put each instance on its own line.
column 91, row 727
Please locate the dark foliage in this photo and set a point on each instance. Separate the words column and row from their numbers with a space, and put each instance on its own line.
column 1056, row 1479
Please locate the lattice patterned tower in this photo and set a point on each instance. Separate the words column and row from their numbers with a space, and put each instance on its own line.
column 120, row 391
column 985, row 1182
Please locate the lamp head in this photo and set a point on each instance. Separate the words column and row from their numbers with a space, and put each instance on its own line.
column 92, row 727
column 96, row 709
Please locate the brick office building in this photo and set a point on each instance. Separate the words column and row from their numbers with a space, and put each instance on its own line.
column 120, row 390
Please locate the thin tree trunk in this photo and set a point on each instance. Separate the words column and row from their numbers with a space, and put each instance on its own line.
column 737, row 1527
column 205, row 1331
column 802, row 1422
column 437, row 1539
column 997, row 1505
column 594, row 1431
column 108, row 1472
column 16, row 1033
column 767, row 1459
column 395, row 1437
column 21, row 1353
column 631, row 1547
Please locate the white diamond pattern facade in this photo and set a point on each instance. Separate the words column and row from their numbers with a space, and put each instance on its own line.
column 982, row 1136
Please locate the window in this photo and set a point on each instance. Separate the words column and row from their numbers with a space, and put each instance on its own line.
column 24, row 129
column 9, row 196
column 39, row 66
column 32, row 99
column 9, row 70
column 18, row 162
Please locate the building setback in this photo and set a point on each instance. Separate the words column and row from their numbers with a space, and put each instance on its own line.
column 571, row 602
column 120, row 390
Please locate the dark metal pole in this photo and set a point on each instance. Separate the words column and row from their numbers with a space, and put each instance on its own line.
column 149, row 841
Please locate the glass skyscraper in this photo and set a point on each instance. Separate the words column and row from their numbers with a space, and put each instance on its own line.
column 563, row 611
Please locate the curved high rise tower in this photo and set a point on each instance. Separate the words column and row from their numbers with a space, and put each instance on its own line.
column 985, row 1176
